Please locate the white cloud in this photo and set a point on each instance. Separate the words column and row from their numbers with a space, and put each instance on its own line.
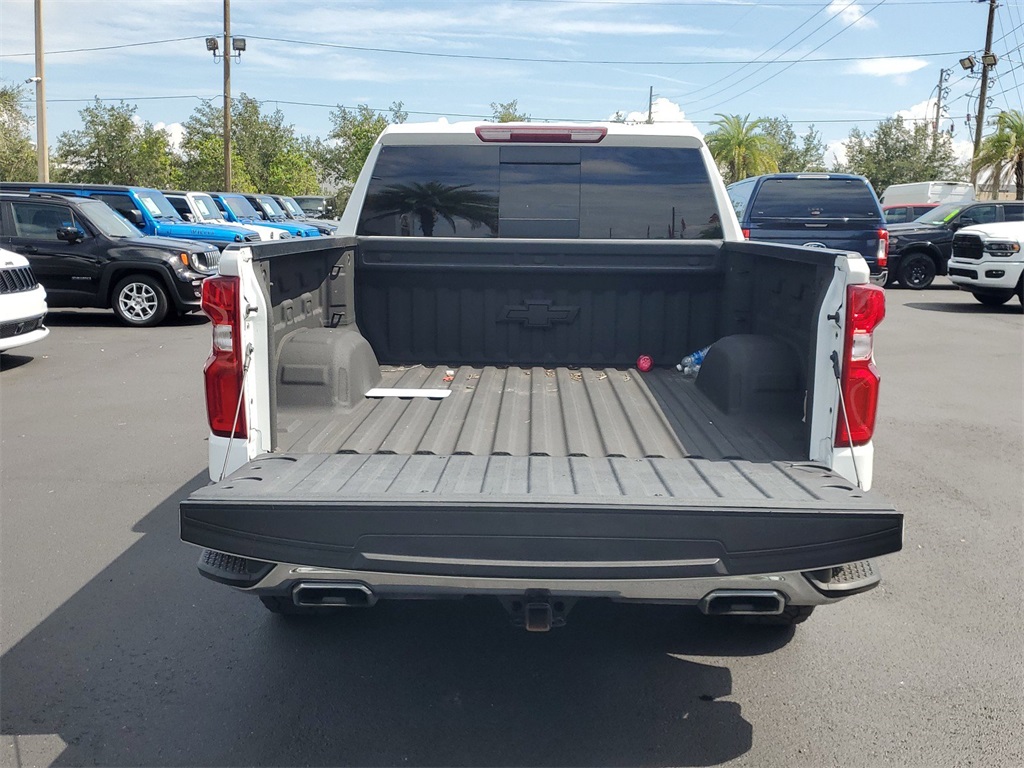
column 835, row 152
column 175, row 132
column 850, row 13
column 924, row 109
column 886, row 67
column 662, row 111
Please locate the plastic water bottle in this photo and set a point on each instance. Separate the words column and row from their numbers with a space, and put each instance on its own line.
column 690, row 364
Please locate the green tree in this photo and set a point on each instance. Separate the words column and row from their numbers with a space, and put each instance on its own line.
column 114, row 147
column 266, row 154
column 794, row 154
column 898, row 153
column 508, row 112
column 272, row 154
column 740, row 148
column 17, row 155
column 338, row 160
column 1002, row 152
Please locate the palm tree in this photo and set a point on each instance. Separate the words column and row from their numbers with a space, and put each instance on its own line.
column 736, row 144
column 1003, row 151
column 434, row 200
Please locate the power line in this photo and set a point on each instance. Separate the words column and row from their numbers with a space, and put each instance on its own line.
column 825, row 42
column 106, row 47
column 763, row 53
column 619, row 62
column 213, row 97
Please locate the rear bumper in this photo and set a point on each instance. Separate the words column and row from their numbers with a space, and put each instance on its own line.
column 796, row 587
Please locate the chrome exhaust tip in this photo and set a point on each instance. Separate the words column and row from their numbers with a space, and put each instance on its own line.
column 737, row 602
column 321, row 594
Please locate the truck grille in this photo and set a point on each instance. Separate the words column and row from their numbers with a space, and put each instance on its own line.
column 967, row 247
column 17, row 279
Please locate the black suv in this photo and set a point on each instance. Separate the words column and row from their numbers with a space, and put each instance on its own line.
column 920, row 249
column 86, row 255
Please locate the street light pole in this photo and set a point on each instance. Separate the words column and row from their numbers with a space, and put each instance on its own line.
column 42, row 152
column 227, row 95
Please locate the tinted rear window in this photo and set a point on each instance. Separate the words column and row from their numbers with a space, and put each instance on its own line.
column 540, row 191
column 814, row 198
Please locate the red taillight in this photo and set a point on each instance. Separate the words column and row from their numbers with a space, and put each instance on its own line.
column 224, row 366
column 548, row 134
column 746, row 234
column 865, row 309
column 883, row 248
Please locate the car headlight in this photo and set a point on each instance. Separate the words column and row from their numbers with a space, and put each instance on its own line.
column 204, row 262
column 1002, row 248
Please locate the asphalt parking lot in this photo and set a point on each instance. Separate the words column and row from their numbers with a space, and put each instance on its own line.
column 116, row 652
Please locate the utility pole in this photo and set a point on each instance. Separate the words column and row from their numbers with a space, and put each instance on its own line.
column 42, row 152
column 943, row 77
column 650, row 105
column 987, row 61
column 227, row 95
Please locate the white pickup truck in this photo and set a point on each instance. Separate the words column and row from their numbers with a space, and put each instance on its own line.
column 988, row 261
column 472, row 390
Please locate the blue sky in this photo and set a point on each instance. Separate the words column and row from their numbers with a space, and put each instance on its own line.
column 835, row 64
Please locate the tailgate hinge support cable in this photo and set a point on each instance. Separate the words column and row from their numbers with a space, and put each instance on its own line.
column 238, row 410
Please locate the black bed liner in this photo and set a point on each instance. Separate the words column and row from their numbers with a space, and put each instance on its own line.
column 557, row 517
column 537, row 411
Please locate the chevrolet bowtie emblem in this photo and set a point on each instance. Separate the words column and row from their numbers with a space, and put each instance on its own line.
column 538, row 314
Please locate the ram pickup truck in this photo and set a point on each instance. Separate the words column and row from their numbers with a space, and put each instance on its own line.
column 988, row 261
column 473, row 390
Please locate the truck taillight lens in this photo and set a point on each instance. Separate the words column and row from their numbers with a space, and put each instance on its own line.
column 883, row 247
column 865, row 309
column 746, row 234
column 224, row 367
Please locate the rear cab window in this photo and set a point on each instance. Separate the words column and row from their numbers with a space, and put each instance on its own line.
column 521, row 191
column 813, row 198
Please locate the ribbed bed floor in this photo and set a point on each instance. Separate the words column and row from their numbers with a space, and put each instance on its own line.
column 532, row 412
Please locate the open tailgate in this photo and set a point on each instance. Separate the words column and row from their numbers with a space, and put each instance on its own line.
column 540, row 516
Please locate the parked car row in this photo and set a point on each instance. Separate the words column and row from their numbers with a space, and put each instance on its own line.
column 831, row 210
column 141, row 252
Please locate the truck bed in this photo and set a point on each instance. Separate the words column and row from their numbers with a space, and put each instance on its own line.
column 536, row 411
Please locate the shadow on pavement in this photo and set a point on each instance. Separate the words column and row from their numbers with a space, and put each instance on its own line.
column 107, row 319
column 149, row 664
column 1012, row 307
column 11, row 360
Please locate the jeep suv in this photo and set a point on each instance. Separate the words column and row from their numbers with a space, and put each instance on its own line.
column 820, row 210
column 86, row 255
column 920, row 249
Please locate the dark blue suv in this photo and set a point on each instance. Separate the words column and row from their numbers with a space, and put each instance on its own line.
column 822, row 210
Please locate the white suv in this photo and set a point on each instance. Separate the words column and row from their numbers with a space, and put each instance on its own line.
column 22, row 303
column 988, row 261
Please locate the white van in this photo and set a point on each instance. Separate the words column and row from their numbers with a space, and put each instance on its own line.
column 928, row 192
